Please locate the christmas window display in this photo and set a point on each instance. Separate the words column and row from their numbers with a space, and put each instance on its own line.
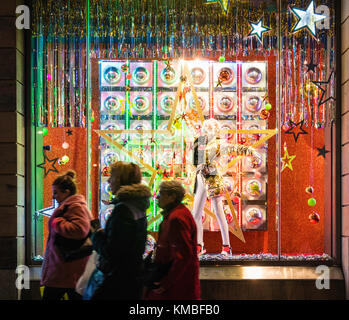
column 139, row 81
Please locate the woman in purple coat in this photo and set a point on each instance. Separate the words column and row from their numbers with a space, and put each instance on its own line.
column 70, row 220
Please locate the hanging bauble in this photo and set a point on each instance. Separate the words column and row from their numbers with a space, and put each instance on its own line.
column 314, row 217
column 229, row 217
column 309, row 190
column 183, row 78
column 124, row 68
column 106, row 171
column 267, row 107
column 44, row 131
column 129, row 76
column 285, row 126
column 235, row 199
column 49, row 77
column 226, row 75
column 64, row 160
column 264, row 114
column 65, row 145
column 311, row 202
column 221, row 59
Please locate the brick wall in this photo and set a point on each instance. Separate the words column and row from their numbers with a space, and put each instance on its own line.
column 345, row 141
column 12, row 149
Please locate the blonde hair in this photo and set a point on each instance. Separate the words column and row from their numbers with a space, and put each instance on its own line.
column 67, row 181
column 127, row 173
column 173, row 187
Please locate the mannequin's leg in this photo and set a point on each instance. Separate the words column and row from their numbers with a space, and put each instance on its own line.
column 198, row 207
column 223, row 225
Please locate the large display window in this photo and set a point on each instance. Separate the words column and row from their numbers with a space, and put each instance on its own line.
column 140, row 80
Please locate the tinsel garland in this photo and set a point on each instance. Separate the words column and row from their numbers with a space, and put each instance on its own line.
column 172, row 29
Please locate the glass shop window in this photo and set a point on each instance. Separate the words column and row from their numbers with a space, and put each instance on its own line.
column 139, row 80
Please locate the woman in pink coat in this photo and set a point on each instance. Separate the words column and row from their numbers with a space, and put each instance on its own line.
column 70, row 220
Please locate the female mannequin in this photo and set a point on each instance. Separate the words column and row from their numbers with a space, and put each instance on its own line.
column 209, row 183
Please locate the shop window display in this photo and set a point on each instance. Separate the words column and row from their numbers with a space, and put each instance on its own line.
column 137, row 81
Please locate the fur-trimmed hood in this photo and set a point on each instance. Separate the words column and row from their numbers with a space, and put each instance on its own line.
column 136, row 197
column 133, row 191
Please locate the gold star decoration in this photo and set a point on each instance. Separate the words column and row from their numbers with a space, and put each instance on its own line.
column 224, row 4
column 286, row 160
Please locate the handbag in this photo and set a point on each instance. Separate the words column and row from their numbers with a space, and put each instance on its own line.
column 85, row 277
column 72, row 249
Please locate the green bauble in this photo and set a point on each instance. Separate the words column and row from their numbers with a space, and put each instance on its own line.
column 311, row 202
column 268, row 106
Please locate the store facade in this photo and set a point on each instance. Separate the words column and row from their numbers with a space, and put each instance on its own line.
column 138, row 81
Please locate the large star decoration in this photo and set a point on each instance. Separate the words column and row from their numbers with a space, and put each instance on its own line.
column 52, row 163
column 322, row 152
column 258, row 29
column 324, row 90
column 224, row 4
column 286, row 160
column 295, row 130
column 307, row 18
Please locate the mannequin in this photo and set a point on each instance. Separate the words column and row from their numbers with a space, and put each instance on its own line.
column 209, row 183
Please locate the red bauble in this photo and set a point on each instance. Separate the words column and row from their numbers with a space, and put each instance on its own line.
column 264, row 114
column 236, row 199
column 106, row 172
column 314, row 218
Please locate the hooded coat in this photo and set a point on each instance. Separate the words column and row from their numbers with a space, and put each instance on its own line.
column 121, row 245
column 70, row 220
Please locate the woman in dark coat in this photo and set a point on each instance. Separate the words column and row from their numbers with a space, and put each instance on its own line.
column 122, row 243
column 176, row 272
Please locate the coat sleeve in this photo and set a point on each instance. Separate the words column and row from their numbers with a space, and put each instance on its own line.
column 112, row 241
column 75, row 224
column 179, row 237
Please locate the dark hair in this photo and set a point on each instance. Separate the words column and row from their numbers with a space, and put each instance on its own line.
column 66, row 181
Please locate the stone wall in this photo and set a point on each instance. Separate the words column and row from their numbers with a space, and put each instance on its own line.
column 12, row 149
